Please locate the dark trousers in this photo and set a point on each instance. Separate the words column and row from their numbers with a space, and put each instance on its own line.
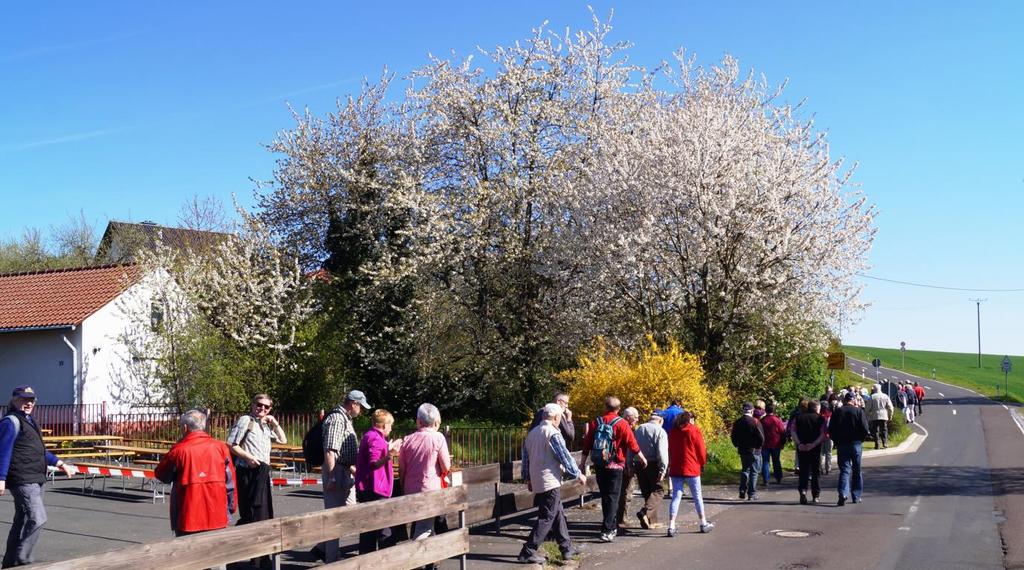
column 550, row 519
column 810, row 470
column 750, row 464
column 609, row 483
column 625, row 495
column 652, row 490
column 917, row 407
column 255, row 501
column 368, row 541
column 880, row 430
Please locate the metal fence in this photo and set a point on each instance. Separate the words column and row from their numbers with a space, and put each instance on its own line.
column 468, row 445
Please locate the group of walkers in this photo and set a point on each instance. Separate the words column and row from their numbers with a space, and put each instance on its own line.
column 213, row 479
column 671, row 444
column 621, row 449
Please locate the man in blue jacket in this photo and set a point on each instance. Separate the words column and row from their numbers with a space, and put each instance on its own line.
column 23, row 461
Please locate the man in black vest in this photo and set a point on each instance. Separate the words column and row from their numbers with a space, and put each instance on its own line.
column 23, row 461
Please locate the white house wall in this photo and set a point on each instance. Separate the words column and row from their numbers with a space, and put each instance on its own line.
column 105, row 356
column 39, row 359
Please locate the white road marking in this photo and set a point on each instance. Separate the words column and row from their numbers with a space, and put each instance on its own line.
column 942, row 395
column 954, row 412
column 1017, row 420
column 1004, row 407
column 928, row 387
column 950, row 402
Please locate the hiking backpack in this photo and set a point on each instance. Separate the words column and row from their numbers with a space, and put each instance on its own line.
column 313, row 443
column 604, row 451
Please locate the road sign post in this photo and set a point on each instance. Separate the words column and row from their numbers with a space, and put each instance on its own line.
column 876, row 363
column 1007, row 367
column 903, row 356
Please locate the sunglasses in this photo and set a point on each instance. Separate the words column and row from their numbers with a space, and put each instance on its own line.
column 262, row 406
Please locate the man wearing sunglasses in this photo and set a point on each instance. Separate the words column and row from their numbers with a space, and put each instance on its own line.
column 250, row 442
column 23, row 461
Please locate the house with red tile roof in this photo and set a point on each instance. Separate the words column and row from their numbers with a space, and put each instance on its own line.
column 60, row 331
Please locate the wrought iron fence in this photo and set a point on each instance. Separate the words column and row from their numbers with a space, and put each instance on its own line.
column 468, row 445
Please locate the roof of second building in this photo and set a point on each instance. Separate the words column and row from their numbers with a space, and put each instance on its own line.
column 60, row 297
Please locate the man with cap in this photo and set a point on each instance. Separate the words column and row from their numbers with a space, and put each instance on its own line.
column 340, row 445
column 848, row 427
column 23, row 461
column 748, row 437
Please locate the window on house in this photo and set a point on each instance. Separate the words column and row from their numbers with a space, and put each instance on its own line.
column 156, row 316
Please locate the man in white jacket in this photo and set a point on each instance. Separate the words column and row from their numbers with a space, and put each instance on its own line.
column 879, row 409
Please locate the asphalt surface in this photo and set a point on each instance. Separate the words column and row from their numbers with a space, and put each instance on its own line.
column 937, row 508
column 955, row 501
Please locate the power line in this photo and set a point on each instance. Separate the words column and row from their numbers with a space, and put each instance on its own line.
column 927, row 286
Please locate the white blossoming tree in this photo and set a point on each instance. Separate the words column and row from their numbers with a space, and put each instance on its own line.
column 500, row 216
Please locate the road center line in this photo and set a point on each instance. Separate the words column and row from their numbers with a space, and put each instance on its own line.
column 950, row 402
column 942, row 395
column 954, row 412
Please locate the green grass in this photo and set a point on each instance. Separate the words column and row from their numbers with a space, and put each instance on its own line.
column 956, row 368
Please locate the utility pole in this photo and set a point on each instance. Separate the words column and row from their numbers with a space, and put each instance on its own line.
column 979, row 302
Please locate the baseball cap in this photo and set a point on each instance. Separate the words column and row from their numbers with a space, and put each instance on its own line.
column 23, row 392
column 358, row 396
column 748, row 407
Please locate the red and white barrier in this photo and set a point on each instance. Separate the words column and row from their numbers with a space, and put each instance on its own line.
column 280, row 482
column 115, row 471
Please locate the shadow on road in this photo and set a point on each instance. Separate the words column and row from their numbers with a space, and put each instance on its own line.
column 910, row 480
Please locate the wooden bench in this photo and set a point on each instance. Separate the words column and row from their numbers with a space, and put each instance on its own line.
column 63, row 450
column 94, row 454
column 145, row 462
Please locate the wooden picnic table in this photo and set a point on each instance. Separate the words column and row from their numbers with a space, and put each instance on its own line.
column 285, row 447
column 160, row 442
column 134, row 449
column 63, row 438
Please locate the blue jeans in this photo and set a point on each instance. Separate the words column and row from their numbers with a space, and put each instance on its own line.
column 771, row 461
column 29, row 518
column 750, row 461
column 851, row 484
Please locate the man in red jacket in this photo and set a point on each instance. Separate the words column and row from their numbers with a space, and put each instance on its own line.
column 200, row 468
column 608, row 438
column 919, row 392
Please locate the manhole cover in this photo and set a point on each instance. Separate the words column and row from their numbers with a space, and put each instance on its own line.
column 792, row 533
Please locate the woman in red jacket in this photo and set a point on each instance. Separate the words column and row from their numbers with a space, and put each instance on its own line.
column 687, row 455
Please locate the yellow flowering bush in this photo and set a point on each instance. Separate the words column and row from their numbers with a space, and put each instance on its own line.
column 647, row 379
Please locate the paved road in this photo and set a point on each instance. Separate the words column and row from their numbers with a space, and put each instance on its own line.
column 935, row 508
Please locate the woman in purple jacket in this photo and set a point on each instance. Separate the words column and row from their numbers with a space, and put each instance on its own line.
column 375, row 474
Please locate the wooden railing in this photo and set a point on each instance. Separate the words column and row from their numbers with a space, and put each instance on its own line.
column 288, row 533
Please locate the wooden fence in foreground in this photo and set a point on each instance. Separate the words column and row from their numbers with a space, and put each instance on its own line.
column 290, row 533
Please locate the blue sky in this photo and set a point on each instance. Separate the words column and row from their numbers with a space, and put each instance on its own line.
column 124, row 110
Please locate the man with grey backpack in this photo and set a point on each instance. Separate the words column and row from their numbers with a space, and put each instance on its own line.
column 606, row 442
column 23, row 462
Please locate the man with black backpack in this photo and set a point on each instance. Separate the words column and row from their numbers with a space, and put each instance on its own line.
column 340, row 445
column 606, row 442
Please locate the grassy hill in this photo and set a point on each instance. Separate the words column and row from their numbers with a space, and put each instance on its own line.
column 952, row 367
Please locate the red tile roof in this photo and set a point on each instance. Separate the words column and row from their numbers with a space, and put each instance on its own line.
column 60, row 297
